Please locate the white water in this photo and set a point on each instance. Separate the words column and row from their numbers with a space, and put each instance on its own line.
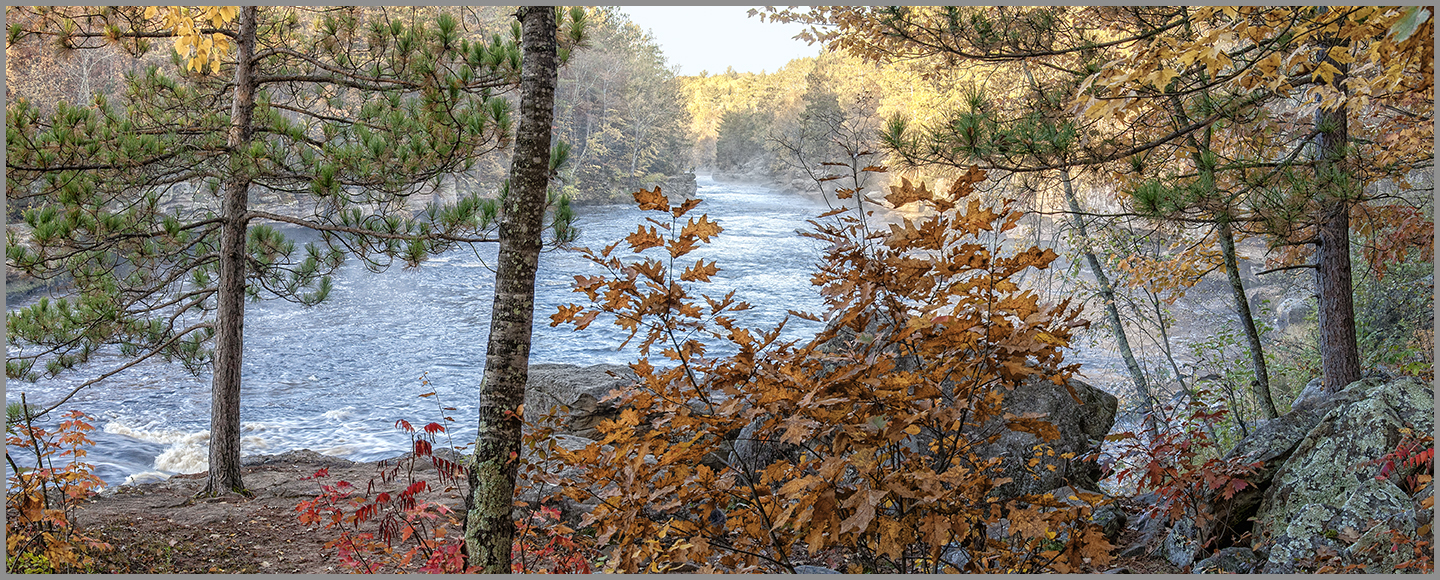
column 334, row 378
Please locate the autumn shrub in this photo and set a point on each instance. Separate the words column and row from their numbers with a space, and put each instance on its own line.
column 870, row 430
column 401, row 530
column 1181, row 461
column 40, row 501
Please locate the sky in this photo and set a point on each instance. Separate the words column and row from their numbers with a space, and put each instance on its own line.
column 710, row 38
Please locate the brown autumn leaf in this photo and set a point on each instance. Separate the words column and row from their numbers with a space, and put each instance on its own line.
column 652, row 200
column 907, row 193
column 1030, row 524
column 644, row 239
column 700, row 272
column 703, row 229
column 681, row 246
column 565, row 313
column 685, row 206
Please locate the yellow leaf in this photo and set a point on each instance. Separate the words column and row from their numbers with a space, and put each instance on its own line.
column 913, row 429
column 1050, row 339
column 1161, row 78
column 1341, row 54
column 1325, row 71
column 151, row 11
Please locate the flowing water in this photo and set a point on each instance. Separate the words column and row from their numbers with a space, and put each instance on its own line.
column 334, row 378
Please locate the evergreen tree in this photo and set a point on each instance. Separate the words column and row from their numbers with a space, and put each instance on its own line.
column 740, row 139
column 165, row 206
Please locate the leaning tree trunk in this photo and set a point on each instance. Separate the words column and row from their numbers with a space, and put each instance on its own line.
column 1107, row 294
column 230, row 297
column 1261, row 386
column 1339, row 355
column 489, row 529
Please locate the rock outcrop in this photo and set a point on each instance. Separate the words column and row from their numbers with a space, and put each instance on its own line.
column 1330, row 483
column 580, row 389
column 1316, row 489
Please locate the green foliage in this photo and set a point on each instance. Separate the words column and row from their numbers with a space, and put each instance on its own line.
column 1222, row 366
column 741, row 139
column 619, row 104
column 358, row 114
column 1392, row 315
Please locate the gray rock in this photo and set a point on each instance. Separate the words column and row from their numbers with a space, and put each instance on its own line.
column 808, row 569
column 1313, row 391
column 955, row 555
column 1083, row 427
column 583, row 390
column 749, row 451
column 1327, row 493
column 1182, row 544
column 304, row 456
column 1301, row 538
column 1232, row 560
column 1339, row 454
column 1271, row 444
column 1111, row 518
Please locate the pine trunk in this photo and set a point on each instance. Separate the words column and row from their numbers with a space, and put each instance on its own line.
column 1261, row 385
column 224, row 476
column 1107, row 294
column 489, row 529
column 1339, row 355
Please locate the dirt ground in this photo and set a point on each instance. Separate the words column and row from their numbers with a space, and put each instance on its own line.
column 161, row 528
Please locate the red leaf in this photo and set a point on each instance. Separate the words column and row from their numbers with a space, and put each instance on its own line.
column 434, row 428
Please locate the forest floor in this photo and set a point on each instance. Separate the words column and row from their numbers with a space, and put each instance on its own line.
column 162, row 528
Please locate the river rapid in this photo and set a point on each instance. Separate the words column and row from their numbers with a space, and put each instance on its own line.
column 334, row 378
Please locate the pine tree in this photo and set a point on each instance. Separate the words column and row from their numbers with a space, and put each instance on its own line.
column 166, row 206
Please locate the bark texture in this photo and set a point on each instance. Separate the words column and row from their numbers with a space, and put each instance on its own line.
column 1107, row 294
column 489, row 529
column 1261, row 386
column 1339, row 354
column 224, row 473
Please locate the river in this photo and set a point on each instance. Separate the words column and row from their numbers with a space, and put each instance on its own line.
column 334, row 378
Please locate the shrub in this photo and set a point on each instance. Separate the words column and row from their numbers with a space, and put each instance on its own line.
column 874, row 424
column 40, row 534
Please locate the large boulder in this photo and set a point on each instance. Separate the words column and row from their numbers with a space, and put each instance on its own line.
column 581, row 390
column 1083, row 426
column 1270, row 444
column 1329, row 484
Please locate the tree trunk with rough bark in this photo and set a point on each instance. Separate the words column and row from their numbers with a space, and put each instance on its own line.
column 1261, row 386
column 224, row 476
column 1339, row 354
column 489, row 530
column 1107, row 294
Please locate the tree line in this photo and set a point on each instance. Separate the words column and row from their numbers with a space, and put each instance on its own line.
column 1307, row 129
